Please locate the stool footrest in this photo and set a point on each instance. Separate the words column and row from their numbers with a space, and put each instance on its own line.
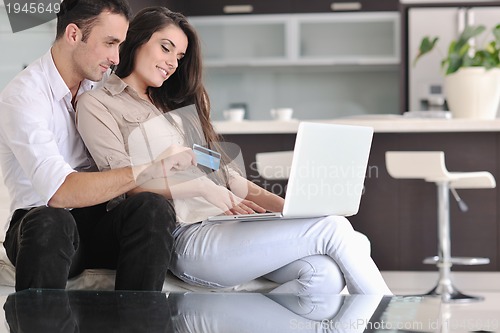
column 458, row 260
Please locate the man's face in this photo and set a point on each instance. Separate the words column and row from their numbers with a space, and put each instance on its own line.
column 93, row 57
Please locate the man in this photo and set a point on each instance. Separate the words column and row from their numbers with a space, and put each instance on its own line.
column 61, row 223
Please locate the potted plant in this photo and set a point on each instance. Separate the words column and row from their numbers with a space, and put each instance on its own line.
column 472, row 76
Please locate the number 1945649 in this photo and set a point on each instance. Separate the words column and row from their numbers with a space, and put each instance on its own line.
column 32, row 8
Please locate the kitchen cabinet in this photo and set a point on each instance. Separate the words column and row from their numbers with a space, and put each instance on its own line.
column 300, row 39
column 348, row 38
column 310, row 6
column 228, row 7
column 137, row 5
column 237, row 40
column 316, row 63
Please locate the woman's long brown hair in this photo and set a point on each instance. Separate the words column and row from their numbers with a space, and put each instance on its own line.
column 185, row 87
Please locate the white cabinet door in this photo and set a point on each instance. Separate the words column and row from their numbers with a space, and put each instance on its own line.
column 235, row 40
column 349, row 38
column 300, row 39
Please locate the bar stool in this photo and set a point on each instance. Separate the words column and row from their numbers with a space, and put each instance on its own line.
column 430, row 166
column 274, row 165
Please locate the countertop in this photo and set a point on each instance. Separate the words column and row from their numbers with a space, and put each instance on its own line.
column 380, row 124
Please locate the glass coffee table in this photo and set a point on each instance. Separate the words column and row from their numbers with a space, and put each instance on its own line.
column 108, row 311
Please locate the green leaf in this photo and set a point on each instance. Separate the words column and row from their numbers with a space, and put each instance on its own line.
column 468, row 33
column 426, row 46
column 496, row 33
column 459, row 51
column 454, row 63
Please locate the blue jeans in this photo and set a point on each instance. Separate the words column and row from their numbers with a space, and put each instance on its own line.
column 48, row 245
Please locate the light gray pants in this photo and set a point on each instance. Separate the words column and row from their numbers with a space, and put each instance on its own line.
column 277, row 313
column 305, row 256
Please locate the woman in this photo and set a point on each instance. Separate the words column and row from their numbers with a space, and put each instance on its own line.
column 132, row 118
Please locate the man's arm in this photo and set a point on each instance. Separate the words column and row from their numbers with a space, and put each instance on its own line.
column 83, row 189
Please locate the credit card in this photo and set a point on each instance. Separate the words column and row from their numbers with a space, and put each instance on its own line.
column 207, row 157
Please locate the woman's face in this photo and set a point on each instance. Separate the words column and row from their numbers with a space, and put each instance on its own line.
column 158, row 59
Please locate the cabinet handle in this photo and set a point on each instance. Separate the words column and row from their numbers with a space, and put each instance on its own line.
column 237, row 9
column 344, row 6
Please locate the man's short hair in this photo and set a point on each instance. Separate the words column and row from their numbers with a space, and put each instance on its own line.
column 84, row 13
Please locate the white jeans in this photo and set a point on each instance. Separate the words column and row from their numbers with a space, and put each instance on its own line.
column 272, row 313
column 302, row 255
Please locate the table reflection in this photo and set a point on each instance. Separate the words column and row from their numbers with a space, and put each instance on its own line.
column 91, row 311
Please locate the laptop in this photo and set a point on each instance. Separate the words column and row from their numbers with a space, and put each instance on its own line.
column 327, row 173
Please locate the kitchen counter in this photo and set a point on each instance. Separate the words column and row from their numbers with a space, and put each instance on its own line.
column 380, row 123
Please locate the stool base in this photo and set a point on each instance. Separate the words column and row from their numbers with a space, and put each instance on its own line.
column 450, row 294
column 458, row 260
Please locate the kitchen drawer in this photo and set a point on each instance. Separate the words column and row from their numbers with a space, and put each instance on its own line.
column 229, row 7
column 312, row 6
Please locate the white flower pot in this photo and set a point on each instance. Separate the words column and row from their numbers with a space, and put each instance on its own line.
column 473, row 92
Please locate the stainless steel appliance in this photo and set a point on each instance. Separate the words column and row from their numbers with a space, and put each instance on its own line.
column 422, row 84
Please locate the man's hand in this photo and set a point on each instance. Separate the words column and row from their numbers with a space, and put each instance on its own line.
column 173, row 159
column 176, row 158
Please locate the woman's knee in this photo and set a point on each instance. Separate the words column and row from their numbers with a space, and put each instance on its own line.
column 324, row 274
column 363, row 242
column 339, row 223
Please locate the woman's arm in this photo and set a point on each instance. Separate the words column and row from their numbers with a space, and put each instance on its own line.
column 254, row 193
column 217, row 195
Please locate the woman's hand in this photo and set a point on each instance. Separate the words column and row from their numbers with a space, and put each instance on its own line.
column 229, row 203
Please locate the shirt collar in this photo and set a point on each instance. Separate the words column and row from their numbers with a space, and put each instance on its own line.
column 115, row 85
column 57, row 84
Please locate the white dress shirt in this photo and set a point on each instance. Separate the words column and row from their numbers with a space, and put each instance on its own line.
column 39, row 143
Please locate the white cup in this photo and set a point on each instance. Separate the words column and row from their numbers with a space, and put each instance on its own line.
column 234, row 114
column 282, row 114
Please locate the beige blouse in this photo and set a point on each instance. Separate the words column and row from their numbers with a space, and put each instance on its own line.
column 121, row 129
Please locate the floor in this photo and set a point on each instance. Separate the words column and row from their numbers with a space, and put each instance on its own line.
column 456, row 318
column 483, row 316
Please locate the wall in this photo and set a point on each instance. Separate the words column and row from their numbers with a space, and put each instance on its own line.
column 21, row 48
column 314, row 93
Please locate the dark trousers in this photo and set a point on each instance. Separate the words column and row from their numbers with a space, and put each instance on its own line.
column 48, row 245
column 60, row 311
